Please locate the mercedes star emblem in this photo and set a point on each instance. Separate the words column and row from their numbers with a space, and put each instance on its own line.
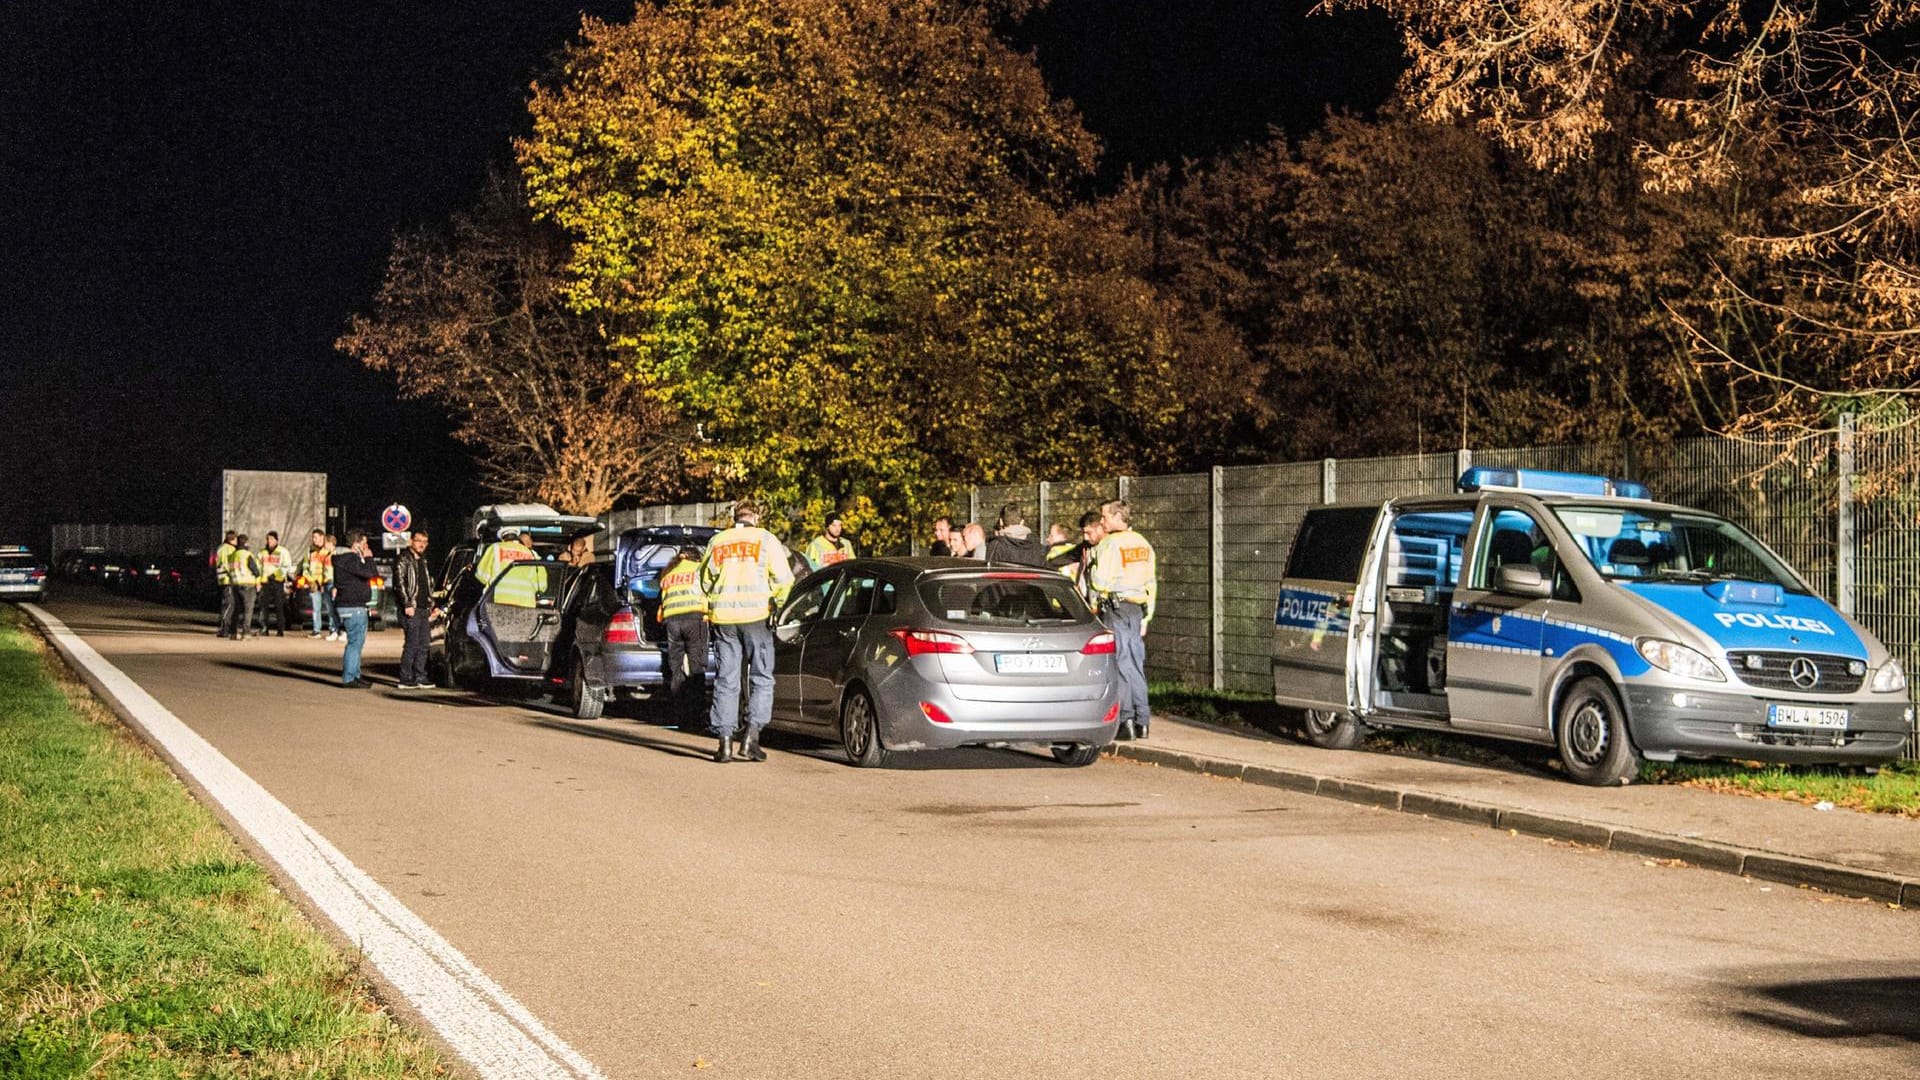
column 1804, row 672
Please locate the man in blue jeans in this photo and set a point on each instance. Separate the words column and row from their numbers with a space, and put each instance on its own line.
column 353, row 574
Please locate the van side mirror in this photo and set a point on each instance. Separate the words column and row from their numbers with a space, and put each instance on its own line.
column 1522, row 579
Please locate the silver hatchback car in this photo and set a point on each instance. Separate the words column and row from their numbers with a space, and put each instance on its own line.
column 893, row 655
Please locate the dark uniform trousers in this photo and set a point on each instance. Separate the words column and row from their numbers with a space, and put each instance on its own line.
column 687, row 669
column 273, row 606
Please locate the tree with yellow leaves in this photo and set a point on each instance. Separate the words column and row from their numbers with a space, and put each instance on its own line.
column 839, row 235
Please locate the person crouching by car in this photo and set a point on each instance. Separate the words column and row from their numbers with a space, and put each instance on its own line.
column 353, row 575
column 413, row 590
column 683, row 613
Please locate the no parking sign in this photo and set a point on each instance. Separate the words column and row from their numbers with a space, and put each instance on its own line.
column 396, row 521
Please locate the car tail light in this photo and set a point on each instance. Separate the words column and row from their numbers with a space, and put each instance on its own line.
column 938, row 715
column 922, row 642
column 1113, row 713
column 37, row 575
column 623, row 629
column 1099, row 644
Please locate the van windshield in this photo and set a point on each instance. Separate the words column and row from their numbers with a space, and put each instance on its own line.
column 1631, row 543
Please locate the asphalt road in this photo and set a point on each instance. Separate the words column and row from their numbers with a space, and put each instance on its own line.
column 990, row 914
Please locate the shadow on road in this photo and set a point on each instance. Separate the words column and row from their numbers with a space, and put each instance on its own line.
column 302, row 672
column 630, row 738
column 1855, row 1002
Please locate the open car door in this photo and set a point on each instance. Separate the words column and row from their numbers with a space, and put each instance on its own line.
column 517, row 619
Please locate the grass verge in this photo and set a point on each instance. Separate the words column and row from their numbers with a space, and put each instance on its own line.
column 1894, row 790
column 136, row 938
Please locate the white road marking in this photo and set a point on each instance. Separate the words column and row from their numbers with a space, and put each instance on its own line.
column 479, row 1019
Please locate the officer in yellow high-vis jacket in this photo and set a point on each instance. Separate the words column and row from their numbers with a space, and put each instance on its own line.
column 683, row 614
column 243, row 574
column 228, row 599
column 1123, row 580
column 515, row 590
column 831, row 546
column 744, row 574
column 276, row 569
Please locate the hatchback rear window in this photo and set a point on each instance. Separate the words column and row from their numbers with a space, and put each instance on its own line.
column 1004, row 599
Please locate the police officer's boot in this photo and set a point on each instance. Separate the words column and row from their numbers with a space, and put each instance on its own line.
column 725, row 753
column 751, row 748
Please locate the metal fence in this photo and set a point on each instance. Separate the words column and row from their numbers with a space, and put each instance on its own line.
column 124, row 539
column 1844, row 510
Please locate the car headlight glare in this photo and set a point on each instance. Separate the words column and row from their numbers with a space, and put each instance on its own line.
column 1889, row 678
column 1677, row 659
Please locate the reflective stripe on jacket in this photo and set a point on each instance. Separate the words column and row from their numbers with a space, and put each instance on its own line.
column 744, row 574
column 318, row 568
column 825, row 551
column 518, row 590
column 1123, row 568
column 680, row 592
column 242, row 569
column 274, row 563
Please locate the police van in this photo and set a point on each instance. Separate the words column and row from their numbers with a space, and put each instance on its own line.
column 1574, row 611
column 22, row 576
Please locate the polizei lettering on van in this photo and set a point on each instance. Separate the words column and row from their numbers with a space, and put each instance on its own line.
column 1773, row 622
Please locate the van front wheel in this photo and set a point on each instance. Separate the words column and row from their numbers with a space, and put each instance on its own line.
column 1331, row 730
column 1590, row 728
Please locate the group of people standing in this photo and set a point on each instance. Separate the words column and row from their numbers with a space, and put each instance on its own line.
column 731, row 588
column 340, row 583
column 1113, row 565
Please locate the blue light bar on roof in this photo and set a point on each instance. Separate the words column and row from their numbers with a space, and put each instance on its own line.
column 1482, row 478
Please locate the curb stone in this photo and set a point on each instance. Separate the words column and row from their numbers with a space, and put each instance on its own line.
column 1703, row 854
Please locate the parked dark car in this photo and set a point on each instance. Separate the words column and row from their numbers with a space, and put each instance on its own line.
column 593, row 633
column 72, row 564
column 886, row 656
column 468, row 653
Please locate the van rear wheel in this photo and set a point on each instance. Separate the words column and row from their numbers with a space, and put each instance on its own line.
column 1331, row 730
column 1590, row 729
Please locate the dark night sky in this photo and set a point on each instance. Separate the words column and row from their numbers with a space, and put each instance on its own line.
column 196, row 196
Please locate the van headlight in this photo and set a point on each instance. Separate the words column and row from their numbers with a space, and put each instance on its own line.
column 1889, row 678
column 1677, row 659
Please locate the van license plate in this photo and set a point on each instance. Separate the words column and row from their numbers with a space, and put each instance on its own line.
column 1803, row 717
column 1030, row 664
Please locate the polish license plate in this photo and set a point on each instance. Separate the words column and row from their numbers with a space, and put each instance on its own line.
column 1030, row 664
column 1801, row 716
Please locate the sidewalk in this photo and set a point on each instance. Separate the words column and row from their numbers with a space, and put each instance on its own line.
column 1842, row 851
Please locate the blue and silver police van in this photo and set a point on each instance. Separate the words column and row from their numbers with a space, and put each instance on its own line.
column 1574, row 611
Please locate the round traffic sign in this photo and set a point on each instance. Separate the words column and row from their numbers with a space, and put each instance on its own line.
column 396, row 519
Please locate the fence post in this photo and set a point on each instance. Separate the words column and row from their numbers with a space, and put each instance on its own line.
column 1462, row 461
column 973, row 505
column 1120, row 488
column 1216, row 585
column 1844, row 539
column 1046, row 501
column 1328, row 488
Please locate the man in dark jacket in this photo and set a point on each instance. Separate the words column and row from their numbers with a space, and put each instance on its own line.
column 353, row 575
column 1013, row 542
column 413, row 591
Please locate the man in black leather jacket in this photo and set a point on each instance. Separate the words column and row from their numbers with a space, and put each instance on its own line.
column 413, row 595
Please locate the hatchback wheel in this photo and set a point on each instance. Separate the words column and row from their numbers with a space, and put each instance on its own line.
column 1075, row 755
column 860, row 731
